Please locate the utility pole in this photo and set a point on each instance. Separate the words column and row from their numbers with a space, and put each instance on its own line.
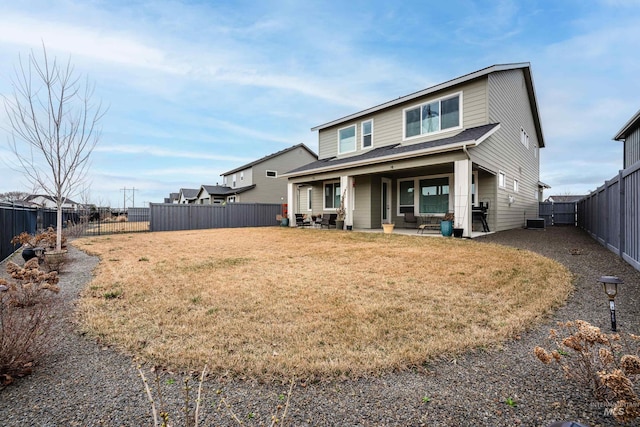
column 130, row 195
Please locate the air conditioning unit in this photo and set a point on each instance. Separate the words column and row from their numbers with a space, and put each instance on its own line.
column 536, row 224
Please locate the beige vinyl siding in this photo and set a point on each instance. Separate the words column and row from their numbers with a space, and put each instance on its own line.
column 388, row 124
column 632, row 148
column 509, row 105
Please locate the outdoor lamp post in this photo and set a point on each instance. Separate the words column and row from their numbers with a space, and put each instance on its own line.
column 610, row 286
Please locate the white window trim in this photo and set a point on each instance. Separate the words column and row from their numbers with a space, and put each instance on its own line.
column 309, row 199
column 422, row 135
column 266, row 173
column 416, row 195
column 242, row 176
column 324, row 199
column 362, row 134
column 516, row 185
column 502, row 184
column 355, row 145
column 233, row 181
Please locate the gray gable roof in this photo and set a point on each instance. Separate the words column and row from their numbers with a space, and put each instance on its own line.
column 220, row 190
column 470, row 136
column 189, row 193
column 46, row 196
column 524, row 66
column 270, row 156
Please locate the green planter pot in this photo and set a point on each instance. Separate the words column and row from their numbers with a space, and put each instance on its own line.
column 446, row 228
column 339, row 224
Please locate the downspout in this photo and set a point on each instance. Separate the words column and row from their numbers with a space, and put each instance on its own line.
column 464, row 149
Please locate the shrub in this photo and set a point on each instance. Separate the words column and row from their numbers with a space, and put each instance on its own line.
column 25, row 317
column 597, row 361
column 46, row 239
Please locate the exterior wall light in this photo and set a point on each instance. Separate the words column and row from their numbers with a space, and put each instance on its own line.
column 610, row 287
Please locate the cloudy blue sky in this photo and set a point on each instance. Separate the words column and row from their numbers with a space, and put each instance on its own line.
column 196, row 88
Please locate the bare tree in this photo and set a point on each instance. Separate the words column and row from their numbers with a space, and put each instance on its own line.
column 54, row 126
column 13, row 196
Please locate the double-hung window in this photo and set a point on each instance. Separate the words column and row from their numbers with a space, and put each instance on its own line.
column 434, row 116
column 332, row 195
column 347, row 139
column 367, row 134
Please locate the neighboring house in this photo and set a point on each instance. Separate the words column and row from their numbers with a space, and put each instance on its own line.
column 564, row 199
column 187, row 195
column 471, row 140
column 173, row 198
column 46, row 201
column 258, row 181
column 630, row 134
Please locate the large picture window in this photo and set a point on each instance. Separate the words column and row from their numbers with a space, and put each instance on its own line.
column 434, row 116
column 347, row 139
column 434, row 195
column 331, row 195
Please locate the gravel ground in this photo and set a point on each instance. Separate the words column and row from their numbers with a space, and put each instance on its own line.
column 84, row 383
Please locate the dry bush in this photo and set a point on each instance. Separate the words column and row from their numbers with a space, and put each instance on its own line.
column 279, row 302
column 597, row 362
column 30, row 286
column 46, row 238
column 25, row 318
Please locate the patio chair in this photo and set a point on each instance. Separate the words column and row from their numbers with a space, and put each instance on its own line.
column 301, row 221
column 329, row 220
column 410, row 218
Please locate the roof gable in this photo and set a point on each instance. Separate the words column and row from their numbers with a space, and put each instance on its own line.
column 524, row 66
column 268, row 157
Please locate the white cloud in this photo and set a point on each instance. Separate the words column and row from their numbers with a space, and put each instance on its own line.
column 162, row 152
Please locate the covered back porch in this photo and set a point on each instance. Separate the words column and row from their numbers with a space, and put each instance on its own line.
column 428, row 188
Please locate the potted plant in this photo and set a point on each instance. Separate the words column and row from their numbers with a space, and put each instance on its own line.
column 387, row 227
column 341, row 212
column 446, row 225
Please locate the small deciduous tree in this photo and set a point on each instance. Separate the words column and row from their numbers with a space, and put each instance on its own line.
column 54, row 126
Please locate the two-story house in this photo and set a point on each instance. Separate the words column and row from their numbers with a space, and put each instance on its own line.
column 630, row 134
column 474, row 139
column 259, row 181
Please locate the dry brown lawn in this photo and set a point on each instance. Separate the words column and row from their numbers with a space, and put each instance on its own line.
column 278, row 302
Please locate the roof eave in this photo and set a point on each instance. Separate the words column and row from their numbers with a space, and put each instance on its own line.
column 427, row 151
column 633, row 122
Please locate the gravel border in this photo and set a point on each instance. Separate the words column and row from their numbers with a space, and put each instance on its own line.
column 84, row 383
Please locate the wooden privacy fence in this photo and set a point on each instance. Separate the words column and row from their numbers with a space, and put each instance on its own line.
column 558, row 213
column 611, row 214
column 173, row 217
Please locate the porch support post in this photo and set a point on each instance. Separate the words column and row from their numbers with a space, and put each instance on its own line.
column 291, row 200
column 346, row 187
column 462, row 193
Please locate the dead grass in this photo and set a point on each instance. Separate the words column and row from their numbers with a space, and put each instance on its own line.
column 114, row 227
column 277, row 302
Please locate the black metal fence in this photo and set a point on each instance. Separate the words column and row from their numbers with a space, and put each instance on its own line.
column 82, row 222
column 16, row 219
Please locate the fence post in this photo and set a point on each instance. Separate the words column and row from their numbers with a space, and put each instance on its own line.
column 622, row 209
column 605, row 211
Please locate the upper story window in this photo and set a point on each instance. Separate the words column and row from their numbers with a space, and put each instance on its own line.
column 515, row 186
column 272, row 174
column 433, row 116
column 347, row 139
column 502, row 179
column 233, row 181
column 242, row 176
column 367, row 134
